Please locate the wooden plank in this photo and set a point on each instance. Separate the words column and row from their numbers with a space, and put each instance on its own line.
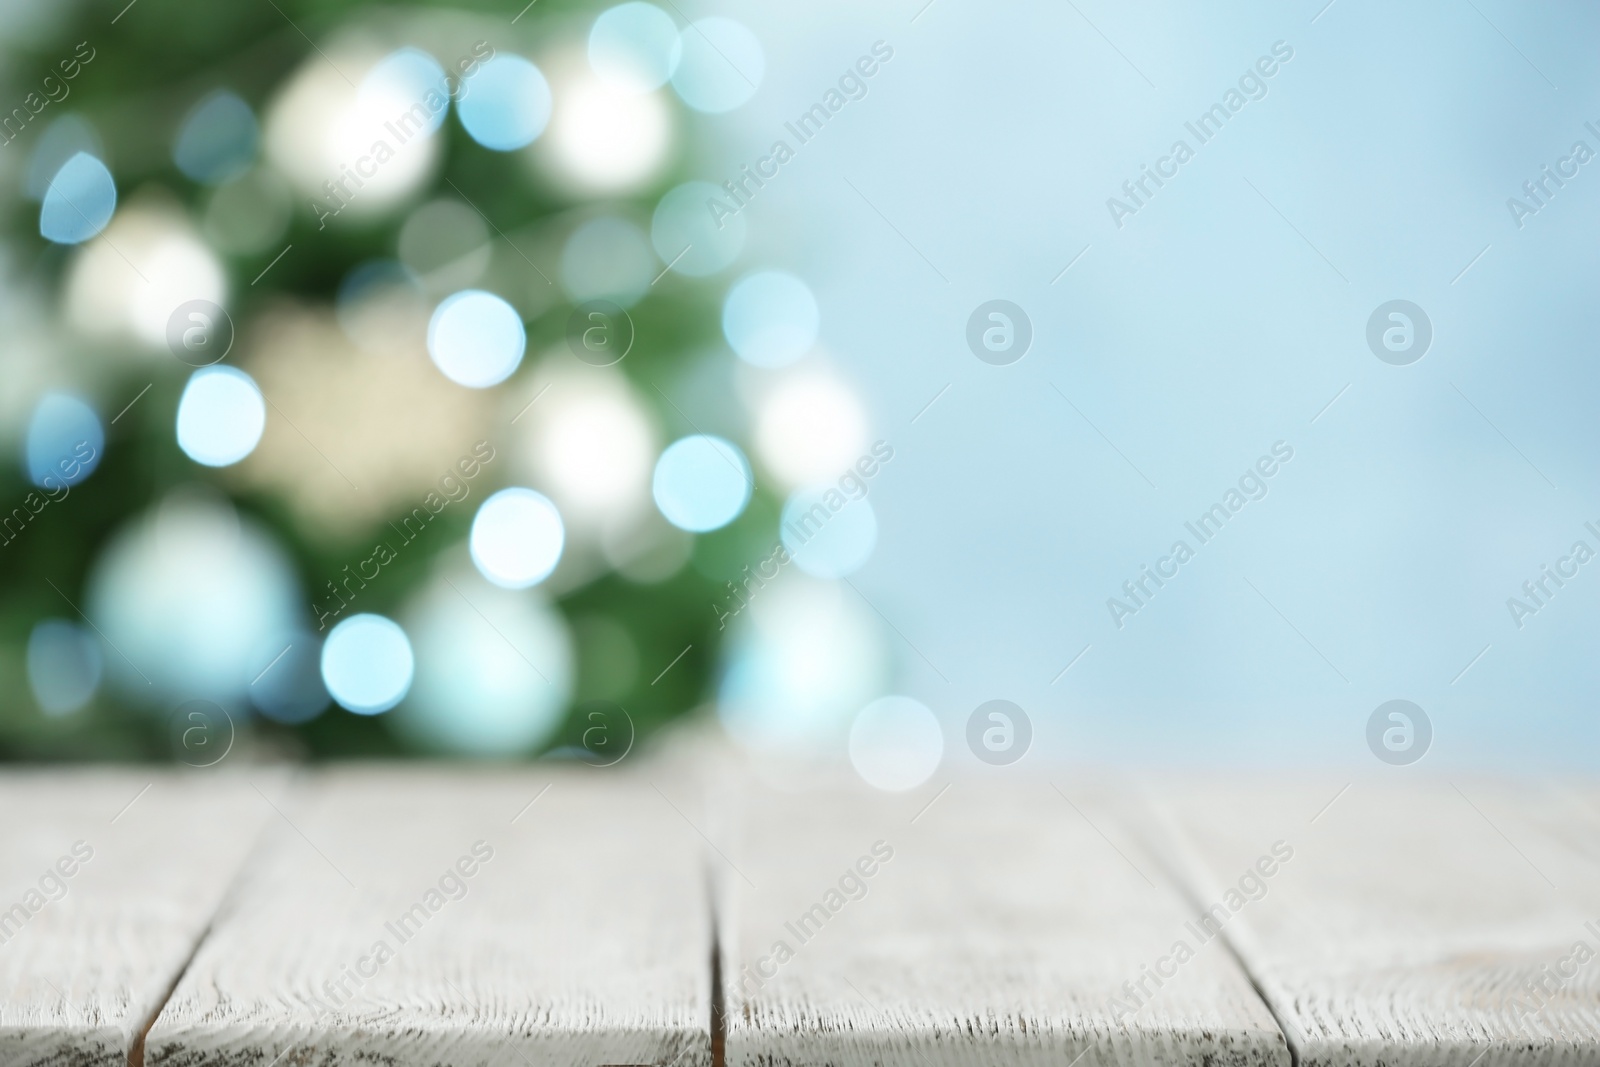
column 1415, row 919
column 107, row 881
column 996, row 923
column 457, row 916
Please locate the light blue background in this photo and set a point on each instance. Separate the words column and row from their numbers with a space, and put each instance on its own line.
column 1194, row 338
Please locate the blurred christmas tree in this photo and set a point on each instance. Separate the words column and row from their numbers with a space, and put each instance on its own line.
column 293, row 288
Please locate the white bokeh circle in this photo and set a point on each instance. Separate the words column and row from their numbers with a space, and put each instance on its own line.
column 896, row 744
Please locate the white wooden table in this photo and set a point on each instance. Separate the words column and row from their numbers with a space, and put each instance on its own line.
column 688, row 913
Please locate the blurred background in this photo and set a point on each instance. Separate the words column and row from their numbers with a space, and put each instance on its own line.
column 497, row 381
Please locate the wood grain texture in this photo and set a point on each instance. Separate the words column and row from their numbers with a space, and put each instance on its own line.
column 107, row 881
column 1416, row 919
column 468, row 917
column 998, row 925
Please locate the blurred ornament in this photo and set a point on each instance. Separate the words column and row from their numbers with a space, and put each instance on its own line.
column 351, row 413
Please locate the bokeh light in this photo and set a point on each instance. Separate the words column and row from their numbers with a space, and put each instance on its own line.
column 635, row 46
column 79, row 202
column 607, row 258
column 494, row 669
column 128, row 284
column 63, row 666
column 249, row 214
column 604, row 139
column 687, row 236
column 445, row 245
column 186, row 596
column 646, row 550
column 592, row 446
column 476, row 338
column 288, row 687
column 217, row 140
column 810, row 427
column 722, row 65
column 342, row 190
column 367, row 664
column 828, row 534
column 320, row 132
column 770, row 318
column 801, row 661
column 65, row 441
column 896, row 744
column 517, row 537
column 220, row 416
column 701, row 483
column 506, row 105
column 408, row 83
